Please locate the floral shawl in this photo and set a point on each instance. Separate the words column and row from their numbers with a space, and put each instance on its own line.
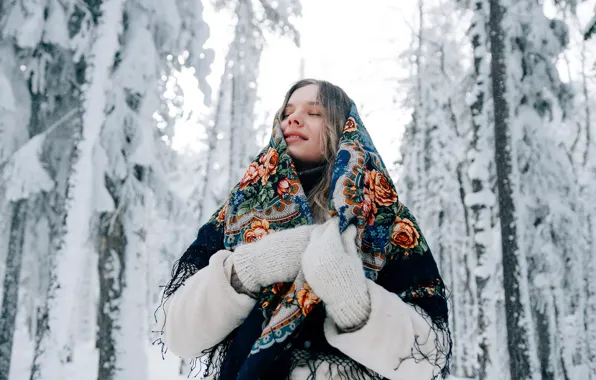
column 270, row 197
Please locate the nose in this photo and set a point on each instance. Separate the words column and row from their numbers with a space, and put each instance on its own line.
column 295, row 119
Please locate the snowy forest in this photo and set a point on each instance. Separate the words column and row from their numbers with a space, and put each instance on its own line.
column 494, row 151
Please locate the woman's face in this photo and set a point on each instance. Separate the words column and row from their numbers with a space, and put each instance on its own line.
column 303, row 124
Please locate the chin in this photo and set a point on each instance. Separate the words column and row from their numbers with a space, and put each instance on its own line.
column 301, row 158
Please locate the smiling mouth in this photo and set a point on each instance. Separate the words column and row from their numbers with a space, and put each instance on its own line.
column 295, row 138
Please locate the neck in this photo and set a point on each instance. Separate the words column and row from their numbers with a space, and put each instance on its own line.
column 311, row 177
column 302, row 167
column 314, row 170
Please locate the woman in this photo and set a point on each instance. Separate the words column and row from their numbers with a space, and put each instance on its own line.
column 312, row 268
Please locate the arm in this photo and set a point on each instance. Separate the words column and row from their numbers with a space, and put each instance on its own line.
column 203, row 311
column 368, row 321
column 217, row 299
column 395, row 341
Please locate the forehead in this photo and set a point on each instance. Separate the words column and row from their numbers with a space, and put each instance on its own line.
column 306, row 94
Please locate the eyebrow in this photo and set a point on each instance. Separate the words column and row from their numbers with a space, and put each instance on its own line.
column 309, row 103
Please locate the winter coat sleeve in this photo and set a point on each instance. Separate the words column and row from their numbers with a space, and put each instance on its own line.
column 393, row 340
column 203, row 311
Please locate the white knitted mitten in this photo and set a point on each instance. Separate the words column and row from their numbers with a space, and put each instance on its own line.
column 333, row 269
column 275, row 258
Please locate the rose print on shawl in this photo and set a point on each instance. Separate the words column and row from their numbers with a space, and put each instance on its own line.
column 257, row 230
column 351, row 125
column 307, row 299
column 377, row 192
column 378, row 188
column 283, row 187
column 221, row 215
column 269, row 163
column 404, row 233
column 266, row 166
column 251, row 176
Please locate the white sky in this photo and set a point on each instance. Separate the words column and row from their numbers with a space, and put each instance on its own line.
column 351, row 43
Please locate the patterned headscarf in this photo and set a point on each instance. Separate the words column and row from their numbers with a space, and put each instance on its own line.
column 269, row 198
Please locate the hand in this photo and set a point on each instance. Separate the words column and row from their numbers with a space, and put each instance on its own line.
column 275, row 258
column 333, row 268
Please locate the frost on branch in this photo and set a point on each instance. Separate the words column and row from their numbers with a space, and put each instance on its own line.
column 24, row 174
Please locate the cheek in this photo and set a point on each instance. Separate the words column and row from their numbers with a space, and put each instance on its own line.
column 317, row 132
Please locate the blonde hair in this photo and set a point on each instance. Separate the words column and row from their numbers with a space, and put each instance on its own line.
column 336, row 107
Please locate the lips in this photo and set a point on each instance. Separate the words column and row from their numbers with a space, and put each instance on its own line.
column 295, row 136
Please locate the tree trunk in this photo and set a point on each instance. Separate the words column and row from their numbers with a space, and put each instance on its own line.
column 245, row 54
column 589, row 293
column 58, row 154
column 123, row 301
column 12, row 277
column 480, row 200
column 465, row 290
column 514, row 269
column 54, row 345
column 588, row 116
column 48, row 358
column 234, row 130
column 590, row 290
column 133, row 333
column 544, row 328
column 111, row 266
column 208, row 187
column 122, row 312
column 419, row 120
